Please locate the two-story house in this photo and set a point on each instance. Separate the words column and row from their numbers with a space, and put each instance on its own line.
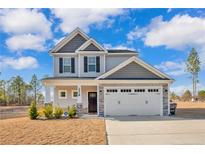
column 103, row 81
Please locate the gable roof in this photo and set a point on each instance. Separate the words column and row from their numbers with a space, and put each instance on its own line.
column 63, row 42
column 89, row 42
column 138, row 61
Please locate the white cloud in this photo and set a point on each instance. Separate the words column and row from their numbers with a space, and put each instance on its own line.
column 169, row 10
column 24, row 21
column 181, row 32
column 27, row 29
column 25, row 42
column 83, row 18
column 19, row 63
column 136, row 33
column 109, row 46
column 172, row 68
column 56, row 41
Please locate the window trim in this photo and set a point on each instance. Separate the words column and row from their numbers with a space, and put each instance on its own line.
column 59, row 94
column 66, row 65
column 72, row 92
column 94, row 63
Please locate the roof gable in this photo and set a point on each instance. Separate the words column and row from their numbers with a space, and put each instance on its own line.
column 133, row 70
column 72, row 42
column 91, row 45
column 146, row 68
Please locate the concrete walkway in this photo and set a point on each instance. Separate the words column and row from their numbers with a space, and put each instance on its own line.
column 155, row 130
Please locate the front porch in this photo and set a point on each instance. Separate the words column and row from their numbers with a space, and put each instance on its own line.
column 84, row 97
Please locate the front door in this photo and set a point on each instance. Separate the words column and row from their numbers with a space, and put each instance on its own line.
column 92, row 102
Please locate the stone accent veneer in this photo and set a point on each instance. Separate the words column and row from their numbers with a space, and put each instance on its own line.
column 165, row 100
column 79, row 108
column 101, row 100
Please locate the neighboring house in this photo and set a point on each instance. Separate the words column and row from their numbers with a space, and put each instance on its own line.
column 103, row 81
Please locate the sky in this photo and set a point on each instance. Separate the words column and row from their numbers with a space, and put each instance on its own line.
column 163, row 38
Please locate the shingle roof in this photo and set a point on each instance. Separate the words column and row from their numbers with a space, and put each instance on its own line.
column 67, row 77
column 120, row 51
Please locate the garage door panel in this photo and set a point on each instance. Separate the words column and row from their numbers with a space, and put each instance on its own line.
column 134, row 102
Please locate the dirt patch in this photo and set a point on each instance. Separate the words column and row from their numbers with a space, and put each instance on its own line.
column 72, row 131
column 191, row 109
column 13, row 111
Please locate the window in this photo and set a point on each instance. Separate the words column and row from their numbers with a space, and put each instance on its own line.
column 62, row 94
column 139, row 90
column 111, row 90
column 153, row 90
column 91, row 64
column 74, row 94
column 125, row 90
column 66, row 65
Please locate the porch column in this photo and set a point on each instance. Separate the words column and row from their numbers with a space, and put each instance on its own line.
column 49, row 94
column 79, row 99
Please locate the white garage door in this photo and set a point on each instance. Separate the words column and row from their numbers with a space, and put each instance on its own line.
column 133, row 100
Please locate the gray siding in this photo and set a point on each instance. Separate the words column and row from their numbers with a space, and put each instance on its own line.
column 114, row 60
column 91, row 47
column 73, row 44
column 133, row 70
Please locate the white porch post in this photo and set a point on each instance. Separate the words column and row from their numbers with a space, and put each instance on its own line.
column 79, row 98
column 49, row 94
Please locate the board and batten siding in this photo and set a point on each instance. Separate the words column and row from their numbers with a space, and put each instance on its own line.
column 56, row 66
column 114, row 60
column 133, row 70
column 73, row 44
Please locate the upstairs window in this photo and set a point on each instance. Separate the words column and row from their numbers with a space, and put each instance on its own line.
column 91, row 64
column 66, row 65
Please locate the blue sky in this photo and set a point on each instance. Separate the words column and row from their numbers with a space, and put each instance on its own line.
column 163, row 38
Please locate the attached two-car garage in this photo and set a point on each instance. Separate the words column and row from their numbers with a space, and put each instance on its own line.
column 138, row 100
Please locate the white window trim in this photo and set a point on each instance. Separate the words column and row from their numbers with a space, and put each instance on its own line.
column 59, row 94
column 66, row 65
column 72, row 92
column 94, row 63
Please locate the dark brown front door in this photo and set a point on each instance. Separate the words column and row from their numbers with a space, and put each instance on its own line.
column 92, row 102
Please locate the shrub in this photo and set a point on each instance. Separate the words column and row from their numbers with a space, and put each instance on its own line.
column 72, row 111
column 41, row 112
column 186, row 96
column 201, row 95
column 48, row 111
column 33, row 113
column 58, row 112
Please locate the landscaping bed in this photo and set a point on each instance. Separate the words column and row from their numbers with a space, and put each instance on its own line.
column 61, row 131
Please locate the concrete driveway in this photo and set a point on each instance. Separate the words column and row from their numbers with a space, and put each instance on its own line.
column 155, row 130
